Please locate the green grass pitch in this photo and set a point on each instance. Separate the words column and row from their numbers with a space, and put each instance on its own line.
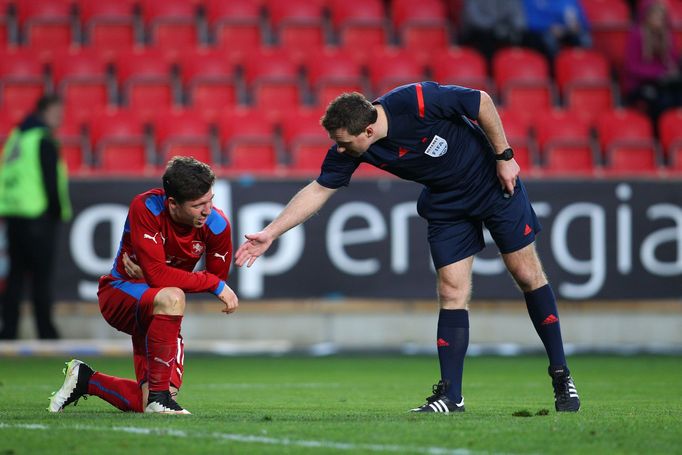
column 347, row 404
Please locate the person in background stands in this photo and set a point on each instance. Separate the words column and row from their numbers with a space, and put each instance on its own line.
column 34, row 200
column 651, row 77
column 488, row 25
column 552, row 24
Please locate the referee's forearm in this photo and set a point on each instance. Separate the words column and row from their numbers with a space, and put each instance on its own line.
column 490, row 122
column 302, row 206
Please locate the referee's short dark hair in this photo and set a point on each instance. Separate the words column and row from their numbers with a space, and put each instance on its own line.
column 351, row 111
column 46, row 101
column 187, row 179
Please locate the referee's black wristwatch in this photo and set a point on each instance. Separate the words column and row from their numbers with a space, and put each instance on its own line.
column 506, row 155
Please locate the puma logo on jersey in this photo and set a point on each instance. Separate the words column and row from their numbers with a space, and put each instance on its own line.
column 164, row 362
column 221, row 256
column 153, row 238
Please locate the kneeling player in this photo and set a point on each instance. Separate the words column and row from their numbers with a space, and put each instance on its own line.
column 166, row 233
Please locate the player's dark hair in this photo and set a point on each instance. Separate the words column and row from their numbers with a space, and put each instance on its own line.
column 351, row 111
column 187, row 179
column 45, row 101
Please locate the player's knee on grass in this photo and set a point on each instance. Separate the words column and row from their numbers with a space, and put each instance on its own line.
column 170, row 301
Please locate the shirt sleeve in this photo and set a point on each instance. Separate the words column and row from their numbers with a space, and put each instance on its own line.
column 337, row 169
column 219, row 249
column 48, row 164
column 448, row 101
column 147, row 242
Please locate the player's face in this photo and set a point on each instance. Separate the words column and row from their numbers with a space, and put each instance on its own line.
column 349, row 144
column 193, row 213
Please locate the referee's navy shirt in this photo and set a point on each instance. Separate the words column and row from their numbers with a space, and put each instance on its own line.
column 431, row 141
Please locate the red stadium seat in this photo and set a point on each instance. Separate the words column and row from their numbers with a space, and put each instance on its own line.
column 303, row 122
column 182, row 132
column 564, row 142
column 72, row 145
column 461, row 66
column 4, row 22
column 632, row 159
column 331, row 72
column 522, row 78
column 81, row 78
column 569, row 160
column 171, row 23
column 248, row 141
column 670, row 130
column 236, row 25
column 675, row 17
column 422, row 28
column 118, row 142
column 273, row 78
column 305, row 140
column 577, row 65
column 210, row 82
column 22, row 82
column 610, row 23
column 297, row 23
column 393, row 67
column 584, row 80
column 360, row 24
column 109, row 26
column 560, row 127
column 144, row 77
column 623, row 127
column 47, row 25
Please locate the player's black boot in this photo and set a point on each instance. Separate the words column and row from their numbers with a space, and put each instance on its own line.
column 439, row 401
column 162, row 402
column 77, row 375
column 566, row 397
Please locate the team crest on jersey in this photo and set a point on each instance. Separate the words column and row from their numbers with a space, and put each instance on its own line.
column 437, row 147
column 197, row 247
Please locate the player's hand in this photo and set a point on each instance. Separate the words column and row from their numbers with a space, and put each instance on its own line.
column 133, row 270
column 507, row 173
column 255, row 245
column 229, row 298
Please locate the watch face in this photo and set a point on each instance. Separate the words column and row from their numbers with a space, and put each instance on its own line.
column 506, row 155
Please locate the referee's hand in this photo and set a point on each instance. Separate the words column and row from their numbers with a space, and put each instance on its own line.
column 507, row 173
column 254, row 246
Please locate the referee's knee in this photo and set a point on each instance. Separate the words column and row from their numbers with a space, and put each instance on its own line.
column 170, row 301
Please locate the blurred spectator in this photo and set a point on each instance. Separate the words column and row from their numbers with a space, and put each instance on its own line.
column 33, row 199
column 651, row 77
column 552, row 24
column 489, row 25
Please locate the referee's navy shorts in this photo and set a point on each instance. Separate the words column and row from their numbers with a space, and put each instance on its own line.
column 455, row 231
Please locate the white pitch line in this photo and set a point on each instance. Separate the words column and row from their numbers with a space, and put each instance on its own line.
column 246, row 438
column 288, row 385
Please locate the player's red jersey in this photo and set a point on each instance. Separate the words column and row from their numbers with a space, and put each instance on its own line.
column 167, row 251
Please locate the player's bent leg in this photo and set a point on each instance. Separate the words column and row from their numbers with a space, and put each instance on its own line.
column 162, row 349
column 76, row 377
column 454, row 290
column 526, row 268
column 80, row 381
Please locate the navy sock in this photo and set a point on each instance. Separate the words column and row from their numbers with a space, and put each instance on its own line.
column 453, row 341
column 543, row 312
